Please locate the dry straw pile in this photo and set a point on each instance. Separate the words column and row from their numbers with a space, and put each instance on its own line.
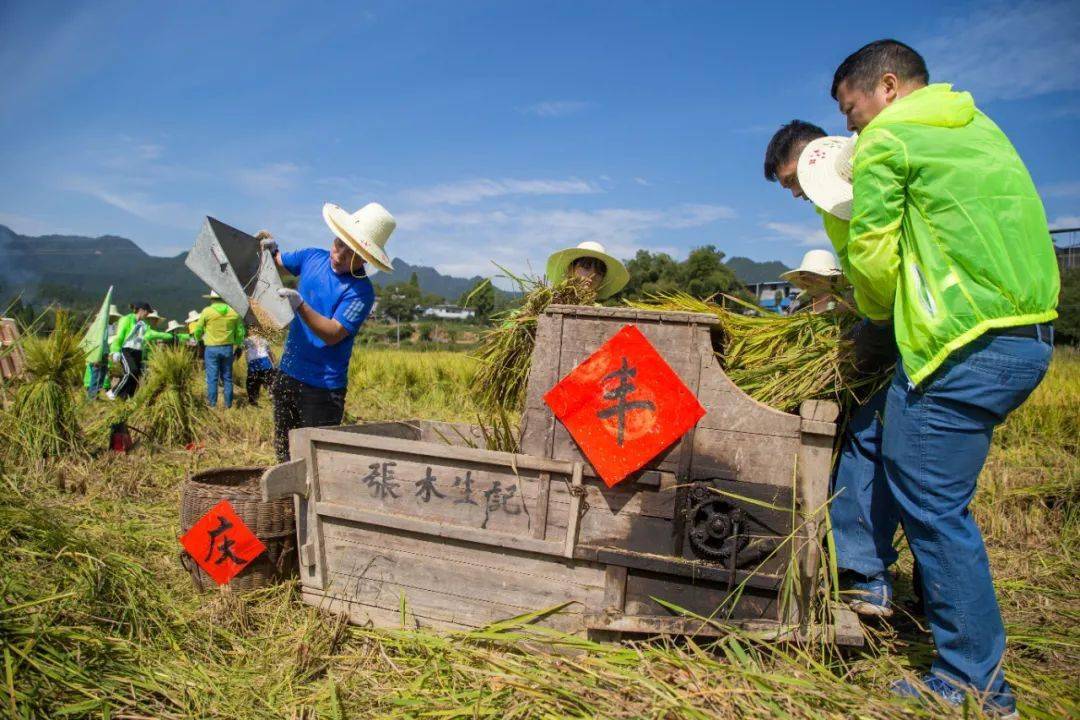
column 781, row 360
column 42, row 420
column 505, row 352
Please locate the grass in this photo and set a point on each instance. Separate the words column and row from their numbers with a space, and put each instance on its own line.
column 98, row 619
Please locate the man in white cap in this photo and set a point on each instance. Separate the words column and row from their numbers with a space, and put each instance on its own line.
column 331, row 302
column 812, row 166
column 600, row 272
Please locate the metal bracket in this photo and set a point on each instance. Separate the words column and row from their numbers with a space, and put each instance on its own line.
column 288, row 478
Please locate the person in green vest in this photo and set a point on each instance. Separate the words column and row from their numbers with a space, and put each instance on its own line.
column 221, row 330
column 948, row 241
column 177, row 333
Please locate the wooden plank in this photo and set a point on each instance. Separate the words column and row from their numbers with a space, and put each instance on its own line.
column 443, row 491
column 847, row 630
column 819, row 410
column 326, row 436
column 368, row 570
column 480, row 536
column 576, row 493
column 762, row 459
column 690, row 627
column 543, row 503
column 707, row 598
column 614, row 587
column 695, row 570
column 288, row 478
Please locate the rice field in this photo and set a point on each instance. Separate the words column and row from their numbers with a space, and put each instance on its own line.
column 99, row 620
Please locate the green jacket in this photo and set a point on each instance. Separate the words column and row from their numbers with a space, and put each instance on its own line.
column 219, row 324
column 948, row 237
column 133, row 333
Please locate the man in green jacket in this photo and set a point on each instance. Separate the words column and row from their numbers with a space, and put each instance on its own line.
column 220, row 329
column 949, row 241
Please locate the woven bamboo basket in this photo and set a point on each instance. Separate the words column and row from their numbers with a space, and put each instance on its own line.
column 273, row 522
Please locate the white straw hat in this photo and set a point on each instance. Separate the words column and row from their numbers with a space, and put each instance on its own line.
column 825, row 173
column 113, row 312
column 173, row 325
column 192, row 316
column 615, row 275
column 365, row 231
column 154, row 316
column 212, row 295
column 817, row 271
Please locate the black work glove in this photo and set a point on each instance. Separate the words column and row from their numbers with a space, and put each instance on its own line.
column 874, row 346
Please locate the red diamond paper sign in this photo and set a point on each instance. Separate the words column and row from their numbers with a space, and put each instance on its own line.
column 221, row 543
column 624, row 405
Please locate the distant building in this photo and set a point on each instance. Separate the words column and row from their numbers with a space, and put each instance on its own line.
column 448, row 312
column 1067, row 247
column 765, row 294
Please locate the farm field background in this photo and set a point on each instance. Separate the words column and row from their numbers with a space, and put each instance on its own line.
column 99, row 619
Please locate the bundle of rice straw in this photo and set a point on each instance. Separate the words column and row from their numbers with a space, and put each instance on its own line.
column 505, row 351
column 42, row 420
column 782, row 360
column 167, row 407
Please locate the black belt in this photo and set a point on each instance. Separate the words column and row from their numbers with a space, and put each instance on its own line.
column 1039, row 332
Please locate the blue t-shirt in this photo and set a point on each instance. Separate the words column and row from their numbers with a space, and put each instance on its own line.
column 344, row 298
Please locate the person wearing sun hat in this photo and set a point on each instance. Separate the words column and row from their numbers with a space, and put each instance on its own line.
column 221, row 332
column 820, row 279
column 333, row 298
column 816, row 167
column 588, row 260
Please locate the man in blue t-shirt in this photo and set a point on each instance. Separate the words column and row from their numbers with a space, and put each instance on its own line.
column 331, row 301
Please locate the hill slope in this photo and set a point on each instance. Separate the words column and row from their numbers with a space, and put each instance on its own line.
column 76, row 271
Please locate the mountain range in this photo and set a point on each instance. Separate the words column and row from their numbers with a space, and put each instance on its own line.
column 75, row 271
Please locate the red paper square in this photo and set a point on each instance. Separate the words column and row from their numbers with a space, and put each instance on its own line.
column 221, row 543
column 626, row 377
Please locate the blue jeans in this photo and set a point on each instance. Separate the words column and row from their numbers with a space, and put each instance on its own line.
column 219, row 361
column 936, row 439
column 863, row 514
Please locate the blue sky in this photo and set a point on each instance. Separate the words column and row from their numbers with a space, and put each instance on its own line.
column 494, row 131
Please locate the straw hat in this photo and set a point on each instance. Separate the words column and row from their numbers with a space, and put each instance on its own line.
column 817, row 271
column 615, row 277
column 154, row 316
column 212, row 295
column 113, row 312
column 825, row 173
column 192, row 316
column 365, row 231
column 173, row 325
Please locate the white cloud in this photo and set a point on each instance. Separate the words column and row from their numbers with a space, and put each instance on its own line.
column 133, row 202
column 1062, row 189
column 1008, row 51
column 642, row 182
column 555, row 108
column 468, row 242
column 808, row 235
column 1065, row 221
column 267, row 179
column 470, row 191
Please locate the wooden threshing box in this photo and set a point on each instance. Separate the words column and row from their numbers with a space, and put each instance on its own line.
column 724, row 524
column 12, row 363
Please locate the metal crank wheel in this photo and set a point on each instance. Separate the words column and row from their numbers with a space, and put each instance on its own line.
column 715, row 526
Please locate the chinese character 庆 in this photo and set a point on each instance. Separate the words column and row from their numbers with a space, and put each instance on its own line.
column 225, row 548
